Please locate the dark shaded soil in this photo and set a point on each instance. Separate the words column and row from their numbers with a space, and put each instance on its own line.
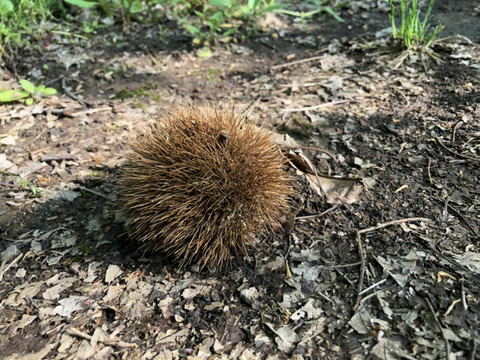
column 405, row 290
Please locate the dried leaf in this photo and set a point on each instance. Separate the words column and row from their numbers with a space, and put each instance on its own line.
column 69, row 305
column 113, row 271
column 338, row 191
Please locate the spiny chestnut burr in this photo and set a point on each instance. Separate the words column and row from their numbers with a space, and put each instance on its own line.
column 201, row 184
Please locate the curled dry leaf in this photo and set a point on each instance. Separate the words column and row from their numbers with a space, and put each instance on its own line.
column 335, row 190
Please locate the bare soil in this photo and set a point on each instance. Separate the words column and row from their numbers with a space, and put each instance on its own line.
column 395, row 274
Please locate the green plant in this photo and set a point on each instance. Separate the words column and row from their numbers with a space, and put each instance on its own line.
column 30, row 92
column 320, row 7
column 36, row 191
column 226, row 19
column 84, row 249
column 91, row 28
column 126, row 8
column 82, row 3
column 19, row 18
column 413, row 32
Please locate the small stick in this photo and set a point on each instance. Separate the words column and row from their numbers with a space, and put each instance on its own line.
column 368, row 297
column 428, row 171
column 455, row 153
column 246, row 112
column 452, row 305
column 32, row 302
column 339, row 266
column 94, row 192
column 447, row 345
column 457, row 213
column 286, row 86
column 75, row 332
column 314, row 149
column 394, row 222
column 73, row 96
column 40, row 134
column 230, row 329
column 457, row 125
column 90, row 111
column 267, row 45
column 372, row 286
column 300, row 61
column 325, row 297
column 404, row 97
column 362, row 270
column 324, row 105
column 47, row 158
column 306, row 217
column 4, row 268
column 462, row 289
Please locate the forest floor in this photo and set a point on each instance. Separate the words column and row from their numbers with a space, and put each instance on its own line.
column 396, row 274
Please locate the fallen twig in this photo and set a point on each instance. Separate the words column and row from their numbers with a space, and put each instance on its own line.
column 90, row 111
column 372, row 286
column 75, row 332
column 246, row 112
column 362, row 256
column 73, row 96
column 47, row 158
column 464, row 299
column 455, row 153
column 300, row 61
column 460, row 216
column 4, row 267
column 447, row 345
column 314, row 149
column 428, row 171
column 324, row 105
column 95, row 192
column 362, row 270
column 394, row 222
column 306, row 217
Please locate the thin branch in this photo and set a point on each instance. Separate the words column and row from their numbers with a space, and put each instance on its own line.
column 47, row 158
column 324, row 105
column 75, row 332
column 314, row 149
column 394, row 222
column 447, row 345
column 95, row 192
column 362, row 270
column 372, row 286
column 73, row 96
column 306, row 217
column 455, row 153
column 300, row 61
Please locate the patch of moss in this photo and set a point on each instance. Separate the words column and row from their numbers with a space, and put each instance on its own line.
column 146, row 89
column 85, row 249
column 114, row 127
column 140, row 105
column 212, row 76
column 123, row 94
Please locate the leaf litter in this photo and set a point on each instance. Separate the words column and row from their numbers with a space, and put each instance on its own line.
column 365, row 271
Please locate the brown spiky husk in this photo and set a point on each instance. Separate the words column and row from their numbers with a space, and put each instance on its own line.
column 200, row 183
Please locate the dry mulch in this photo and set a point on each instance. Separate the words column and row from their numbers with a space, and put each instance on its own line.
column 394, row 273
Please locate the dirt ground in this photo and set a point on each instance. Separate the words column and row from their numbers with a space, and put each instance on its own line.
column 395, row 274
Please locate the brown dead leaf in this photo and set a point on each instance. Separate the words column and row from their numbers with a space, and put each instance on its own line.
column 338, row 191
